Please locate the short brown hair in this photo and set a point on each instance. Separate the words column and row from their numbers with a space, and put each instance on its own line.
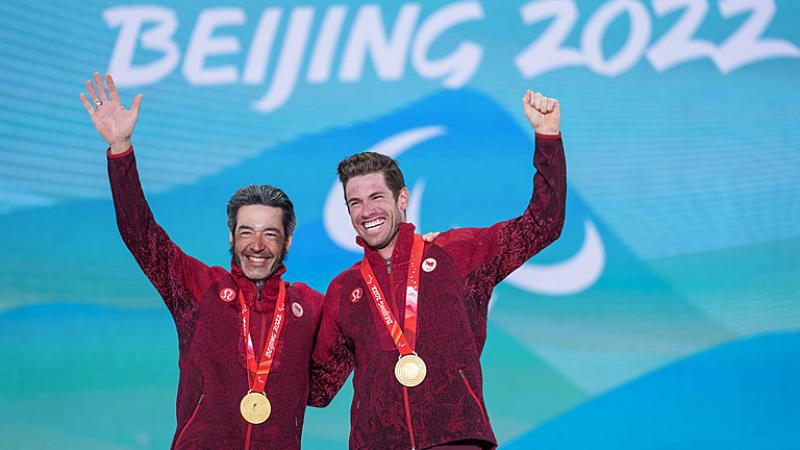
column 370, row 162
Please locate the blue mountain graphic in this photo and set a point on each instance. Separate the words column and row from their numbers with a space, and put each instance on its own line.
column 743, row 395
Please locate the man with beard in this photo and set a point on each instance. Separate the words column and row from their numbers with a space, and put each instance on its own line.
column 411, row 316
column 245, row 336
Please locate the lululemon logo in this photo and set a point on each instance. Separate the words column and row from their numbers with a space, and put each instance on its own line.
column 429, row 265
column 355, row 296
column 297, row 309
column 227, row 295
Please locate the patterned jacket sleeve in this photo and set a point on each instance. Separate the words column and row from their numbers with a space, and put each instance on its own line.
column 333, row 358
column 485, row 256
column 164, row 264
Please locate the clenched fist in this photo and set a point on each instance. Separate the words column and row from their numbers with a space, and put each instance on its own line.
column 542, row 112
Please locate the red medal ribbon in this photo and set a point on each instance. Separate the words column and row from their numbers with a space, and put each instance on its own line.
column 404, row 339
column 257, row 375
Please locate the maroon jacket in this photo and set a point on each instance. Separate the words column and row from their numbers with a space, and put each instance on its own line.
column 212, row 361
column 451, row 329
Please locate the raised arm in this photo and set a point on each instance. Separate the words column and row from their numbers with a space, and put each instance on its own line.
column 486, row 256
column 160, row 259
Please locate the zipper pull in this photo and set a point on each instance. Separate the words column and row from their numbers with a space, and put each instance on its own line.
column 259, row 285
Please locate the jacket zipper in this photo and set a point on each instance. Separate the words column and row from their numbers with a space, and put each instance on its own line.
column 191, row 418
column 247, row 436
column 408, row 418
column 472, row 393
column 405, row 389
column 250, row 425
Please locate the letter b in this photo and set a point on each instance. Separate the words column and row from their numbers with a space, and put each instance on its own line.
column 130, row 20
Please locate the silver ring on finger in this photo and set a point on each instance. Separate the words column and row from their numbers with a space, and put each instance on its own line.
column 98, row 103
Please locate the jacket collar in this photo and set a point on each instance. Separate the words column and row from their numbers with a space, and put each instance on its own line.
column 400, row 253
column 269, row 290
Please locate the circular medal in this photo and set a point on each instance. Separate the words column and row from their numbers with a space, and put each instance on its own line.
column 255, row 407
column 410, row 370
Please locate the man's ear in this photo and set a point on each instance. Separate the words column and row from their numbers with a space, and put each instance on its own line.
column 288, row 244
column 402, row 201
column 230, row 237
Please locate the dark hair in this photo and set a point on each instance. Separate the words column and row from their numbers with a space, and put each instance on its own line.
column 370, row 162
column 262, row 195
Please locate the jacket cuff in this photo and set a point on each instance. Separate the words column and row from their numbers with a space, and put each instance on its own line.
column 118, row 155
column 548, row 136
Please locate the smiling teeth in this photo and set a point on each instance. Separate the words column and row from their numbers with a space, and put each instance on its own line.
column 373, row 223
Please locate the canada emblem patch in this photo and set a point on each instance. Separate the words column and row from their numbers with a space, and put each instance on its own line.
column 429, row 265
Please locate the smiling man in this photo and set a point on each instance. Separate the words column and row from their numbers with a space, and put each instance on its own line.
column 245, row 336
column 258, row 217
column 410, row 318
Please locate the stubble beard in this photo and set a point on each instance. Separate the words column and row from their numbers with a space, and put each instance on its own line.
column 389, row 239
column 276, row 262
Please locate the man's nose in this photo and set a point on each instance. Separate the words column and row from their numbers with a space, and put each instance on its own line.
column 258, row 244
column 370, row 208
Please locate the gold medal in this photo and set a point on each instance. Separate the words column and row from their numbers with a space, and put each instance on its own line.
column 255, row 407
column 410, row 370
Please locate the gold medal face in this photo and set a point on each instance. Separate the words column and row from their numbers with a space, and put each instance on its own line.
column 410, row 370
column 255, row 408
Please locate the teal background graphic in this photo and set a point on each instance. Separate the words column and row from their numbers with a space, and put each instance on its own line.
column 687, row 337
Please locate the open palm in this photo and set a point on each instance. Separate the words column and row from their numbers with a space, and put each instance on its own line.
column 114, row 123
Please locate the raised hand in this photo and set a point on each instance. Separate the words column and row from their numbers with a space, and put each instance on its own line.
column 542, row 112
column 110, row 118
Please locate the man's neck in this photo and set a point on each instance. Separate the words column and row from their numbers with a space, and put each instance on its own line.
column 386, row 252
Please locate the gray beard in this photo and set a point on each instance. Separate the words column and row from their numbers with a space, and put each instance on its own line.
column 274, row 268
